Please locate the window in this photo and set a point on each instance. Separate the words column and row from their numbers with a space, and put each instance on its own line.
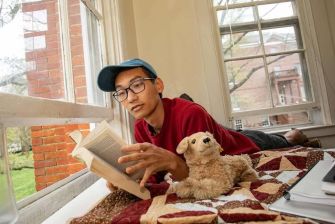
column 35, row 21
column 238, row 124
column 265, row 62
column 51, row 54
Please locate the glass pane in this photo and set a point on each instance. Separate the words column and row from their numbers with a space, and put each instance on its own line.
column 86, row 53
column 8, row 211
column 241, row 44
column 265, row 121
column 225, row 2
column 289, row 85
column 248, row 84
column 276, row 11
column 235, row 16
column 39, row 156
column 279, row 39
column 32, row 63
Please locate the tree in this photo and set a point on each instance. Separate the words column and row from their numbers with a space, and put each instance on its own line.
column 234, row 82
column 15, row 79
column 8, row 11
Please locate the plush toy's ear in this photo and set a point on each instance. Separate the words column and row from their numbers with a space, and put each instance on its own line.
column 182, row 146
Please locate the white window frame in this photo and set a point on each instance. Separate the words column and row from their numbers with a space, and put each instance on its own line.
column 18, row 110
column 314, row 67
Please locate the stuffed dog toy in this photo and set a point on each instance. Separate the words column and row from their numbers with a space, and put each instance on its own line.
column 210, row 174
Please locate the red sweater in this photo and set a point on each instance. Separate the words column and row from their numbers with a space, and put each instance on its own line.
column 183, row 118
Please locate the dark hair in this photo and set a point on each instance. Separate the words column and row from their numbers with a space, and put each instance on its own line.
column 186, row 97
column 153, row 81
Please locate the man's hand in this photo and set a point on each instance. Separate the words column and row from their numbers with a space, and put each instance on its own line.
column 153, row 159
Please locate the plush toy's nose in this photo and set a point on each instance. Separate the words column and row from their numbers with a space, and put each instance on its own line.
column 206, row 140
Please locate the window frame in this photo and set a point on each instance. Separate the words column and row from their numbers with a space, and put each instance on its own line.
column 308, row 37
column 16, row 110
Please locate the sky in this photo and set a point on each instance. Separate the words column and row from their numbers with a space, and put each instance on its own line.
column 11, row 42
column 11, row 38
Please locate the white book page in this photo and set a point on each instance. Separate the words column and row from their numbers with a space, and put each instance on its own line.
column 103, row 142
column 107, row 149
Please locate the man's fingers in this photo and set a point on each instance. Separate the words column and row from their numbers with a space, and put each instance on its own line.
column 147, row 174
column 132, row 157
column 136, row 147
column 137, row 167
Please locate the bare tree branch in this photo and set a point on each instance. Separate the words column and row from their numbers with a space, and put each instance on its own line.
column 8, row 11
column 13, row 79
column 252, row 71
column 235, row 42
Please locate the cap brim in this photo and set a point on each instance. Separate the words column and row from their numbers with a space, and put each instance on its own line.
column 106, row 77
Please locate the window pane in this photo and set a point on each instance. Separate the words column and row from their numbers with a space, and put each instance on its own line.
column 7, row 202
column 241, row 44
column 279, row 39
column 225, row 2
column 248, row 84
column 276, row 11
column 86, row 53
column 35, row 21
column 39, row 156
column 235, row 16
column 289, row 86
column 267, row 121
column 32, row 64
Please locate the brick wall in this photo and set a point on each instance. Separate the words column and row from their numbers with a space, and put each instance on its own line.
column 52, row 149
column 51, row 144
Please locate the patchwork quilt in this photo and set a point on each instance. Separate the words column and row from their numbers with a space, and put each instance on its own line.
column 247, row 202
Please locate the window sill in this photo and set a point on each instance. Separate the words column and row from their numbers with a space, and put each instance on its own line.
column 81, row 204
column 44, row 204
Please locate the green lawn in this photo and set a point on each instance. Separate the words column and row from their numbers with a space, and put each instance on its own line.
column 24, row 182
column 22, row 172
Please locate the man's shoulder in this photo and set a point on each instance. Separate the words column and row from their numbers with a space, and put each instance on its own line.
column 179, row 104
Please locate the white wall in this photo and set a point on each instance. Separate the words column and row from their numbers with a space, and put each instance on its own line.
column 175, row 38
column 324, row 22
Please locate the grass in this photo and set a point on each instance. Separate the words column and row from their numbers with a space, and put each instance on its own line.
column 22, row 171
column 24, row 182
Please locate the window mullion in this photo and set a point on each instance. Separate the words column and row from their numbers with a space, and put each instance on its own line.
column 34, row 111
column 66, row 50
column 265, row 24
column 264, row 55
column 277, row 110
column 92, row 8
column 248, row 4
column 7, row 191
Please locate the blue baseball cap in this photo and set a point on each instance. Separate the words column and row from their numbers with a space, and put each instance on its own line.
column 107, row 75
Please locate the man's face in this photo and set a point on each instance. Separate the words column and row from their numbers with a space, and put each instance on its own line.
column 143, row 104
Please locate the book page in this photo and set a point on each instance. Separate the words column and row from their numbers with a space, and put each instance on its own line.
column 104, row 143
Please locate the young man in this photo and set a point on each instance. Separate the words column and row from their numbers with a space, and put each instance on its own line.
column 161, row 123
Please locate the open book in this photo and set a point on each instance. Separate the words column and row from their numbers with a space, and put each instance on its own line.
column 100, row 150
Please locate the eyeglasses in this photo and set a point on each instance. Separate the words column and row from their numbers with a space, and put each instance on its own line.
column 136, row 87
